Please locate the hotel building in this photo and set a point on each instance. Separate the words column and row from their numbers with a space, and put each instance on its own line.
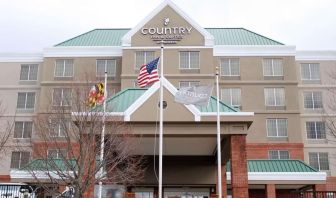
column 273, row 109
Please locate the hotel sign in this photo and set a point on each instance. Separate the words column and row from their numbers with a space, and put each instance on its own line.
column 168, row 34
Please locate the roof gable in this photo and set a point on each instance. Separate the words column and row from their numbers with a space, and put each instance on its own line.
column 208, row 38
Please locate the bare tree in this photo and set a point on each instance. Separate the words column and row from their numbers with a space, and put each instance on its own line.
column 5, row 131
column 66, row 146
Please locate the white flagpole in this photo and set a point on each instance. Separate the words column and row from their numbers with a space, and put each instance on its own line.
column 102, row 140
column 161, row 124
column 219, row 155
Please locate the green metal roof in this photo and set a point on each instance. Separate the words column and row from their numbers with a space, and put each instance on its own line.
column 123, row 99
column 97, row 37
column 266, row 165
column 223, row 36
column 50, row 164
column 239, row 36
column 253, row 165
column 212, row 106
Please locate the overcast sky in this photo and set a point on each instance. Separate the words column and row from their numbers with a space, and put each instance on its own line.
column 31, row 25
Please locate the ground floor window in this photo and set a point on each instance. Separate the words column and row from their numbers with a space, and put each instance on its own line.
column 187, row 192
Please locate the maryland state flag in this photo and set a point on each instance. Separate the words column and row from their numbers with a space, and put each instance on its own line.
column 96, row 95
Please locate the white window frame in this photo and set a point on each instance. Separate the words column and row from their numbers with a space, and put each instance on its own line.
column 20, row 160
column 272, row 66
column 310, row 71
column 222, row 90
column 61, row 98
column 58, row 153
column 199, row 60
column 29, row 73
column 318, row 160
column 190, row 83
column 105, row 67
column 23, row 129
column 26, row 99
column 315, row 130
column 137, row 67
column 277, row 127
column 312, row 94
column 59, row 127
column 274, row 95
column 63, row 76
column 230, row 66
column 278, row 154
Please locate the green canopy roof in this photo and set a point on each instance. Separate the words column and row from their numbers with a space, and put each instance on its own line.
column 50, row 164
column 223, row 36
column 124, row 99
column 266, row 165
column 253, row 165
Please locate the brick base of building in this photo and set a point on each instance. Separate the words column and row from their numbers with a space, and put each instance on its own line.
column 260, row 150
column 5, row 178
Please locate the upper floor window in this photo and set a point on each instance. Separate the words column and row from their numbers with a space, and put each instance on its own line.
column 57, row 153
column 274, row 96
column 143, row 57
column 61, row 97
column 64, row 68
column 28, row 72
column 310, row 71
column 26, row 100
column 188, row 83
column 272, row 67
column 230, row 67
column 189, row 60
column 60, row 127
column 315, row 130
column 278, row 154
column 319, row 161
column 313, row 100
column 276, row 127
column 19, row 159
column 106, row 65
column 232, row 96
column 23, row 129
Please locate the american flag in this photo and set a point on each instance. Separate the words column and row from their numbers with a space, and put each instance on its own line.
column 148, row 73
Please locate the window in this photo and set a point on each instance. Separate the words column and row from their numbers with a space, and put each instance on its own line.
column 59, row 127
column 64, row 68
column 106, row 65
column 189, row 60
column 188, row 83
column 278, row 154
column 230, row 67
column 319, row 161
column 143, row 57
column 232, row 96
column 26, row 100
column 57, row 153
column 272, row 67
column 23, row 129
column 316, row 130
column 19, row 159
column 28, row 72
column 274, row 96
column 310, row 71
column 276, row 127
column 313, row 100
column 61, row 97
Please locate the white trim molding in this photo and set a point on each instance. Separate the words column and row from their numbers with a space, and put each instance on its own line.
column 208, row 38
column 254, row 50
column 83, row 51
column 284, row 176
column 315, row 55
column 21, row 57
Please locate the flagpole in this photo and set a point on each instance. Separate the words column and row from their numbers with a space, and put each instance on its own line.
column 102, row 141
column 161, row 124
column 219, row 155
